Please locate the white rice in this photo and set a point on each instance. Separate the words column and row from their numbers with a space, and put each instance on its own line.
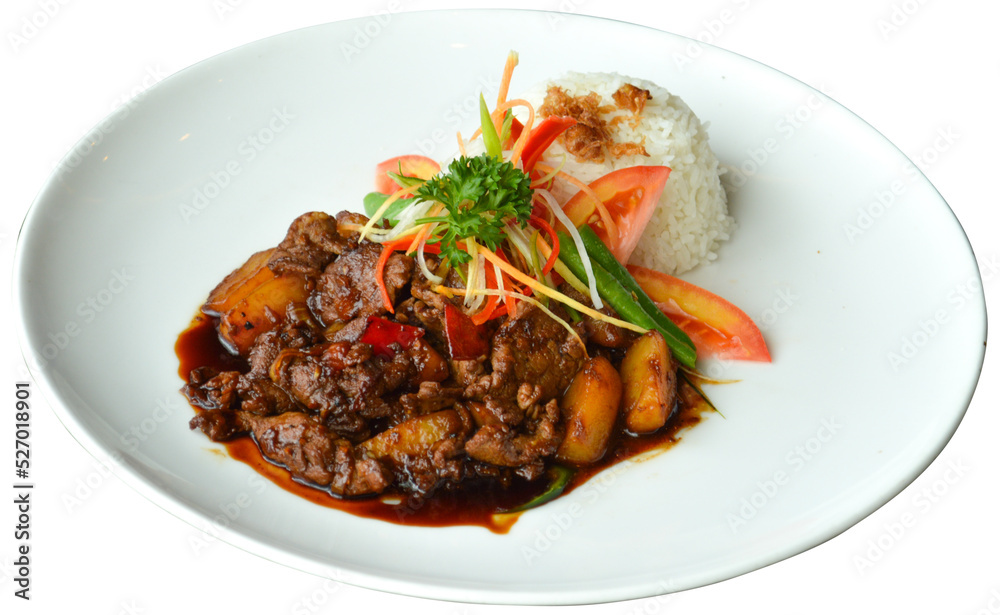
column 691, row 218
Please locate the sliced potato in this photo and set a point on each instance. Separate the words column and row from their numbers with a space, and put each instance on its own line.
column 650, row 382
column 260, row 311
column 238, row 284
column 414, row 436
column 590, row 408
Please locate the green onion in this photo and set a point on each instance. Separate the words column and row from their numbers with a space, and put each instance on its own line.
column 624, row 301
column 603, row 257
column 490, row 137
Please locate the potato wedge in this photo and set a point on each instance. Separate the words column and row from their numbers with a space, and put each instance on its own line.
column 238, row 284
column 649, row 378
column 414, row 436
column 260, row 311
column 590, row 409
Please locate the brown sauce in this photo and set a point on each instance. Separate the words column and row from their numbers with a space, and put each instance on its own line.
column 474, row 503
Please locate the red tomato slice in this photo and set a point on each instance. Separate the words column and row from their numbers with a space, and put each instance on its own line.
column 717, row 327
column 630, row 195
column 412, row 166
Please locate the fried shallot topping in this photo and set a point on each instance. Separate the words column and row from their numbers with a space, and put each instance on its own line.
column 631, row 98
column 591, row 138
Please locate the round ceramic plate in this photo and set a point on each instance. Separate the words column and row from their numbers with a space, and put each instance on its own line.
column 852, row 264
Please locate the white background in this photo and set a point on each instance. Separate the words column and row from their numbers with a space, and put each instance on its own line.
column 914, row 70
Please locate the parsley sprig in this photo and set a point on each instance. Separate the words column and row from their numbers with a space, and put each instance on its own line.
column 479, row 194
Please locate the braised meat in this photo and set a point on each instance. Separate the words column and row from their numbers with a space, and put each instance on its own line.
column 358, row 388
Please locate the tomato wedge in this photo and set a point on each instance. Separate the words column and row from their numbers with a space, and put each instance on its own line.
column 717, row 327
column 412, row 166
column 630, row 195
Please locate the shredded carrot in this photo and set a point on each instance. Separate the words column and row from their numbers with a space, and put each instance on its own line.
column 540, row 288
column 491, row 303
column 554, row 251
column 609, row 224
column 387, row 249
column 461, row 143
column 508, row 70
column 522, row 139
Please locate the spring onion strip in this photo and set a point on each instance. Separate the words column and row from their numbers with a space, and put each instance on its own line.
column 477, row 303
column 550, row 175
column 500, row 287
column 561, row 268
column 521, row 241
column 405, row 225
column 588, row 268
column 537, row 304
column 540, row 288
column 422, row 263
column 425, row 230
column 395, row 196
column 515, row 154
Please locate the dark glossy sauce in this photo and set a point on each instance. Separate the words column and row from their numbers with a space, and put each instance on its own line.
column 475, row 503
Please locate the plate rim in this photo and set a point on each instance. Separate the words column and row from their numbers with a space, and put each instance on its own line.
column 448, row 590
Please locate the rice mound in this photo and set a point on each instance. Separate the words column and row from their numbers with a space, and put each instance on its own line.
column 691, row 218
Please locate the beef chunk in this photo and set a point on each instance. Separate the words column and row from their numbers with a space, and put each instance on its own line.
column 430, row 397
column 348, row 288
column 311, row 243
column 219, row 424
column 304, row 446
column 502, row 445
column 534, row 358
column 344, row 383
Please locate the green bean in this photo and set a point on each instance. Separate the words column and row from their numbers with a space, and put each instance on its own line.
column 624, row 302
column 599, row 253
column 560, row 476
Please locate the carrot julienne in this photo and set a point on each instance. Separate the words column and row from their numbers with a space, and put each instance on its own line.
column 542, row 289
column 508, row 71
column 605, row 215
column 387, row 250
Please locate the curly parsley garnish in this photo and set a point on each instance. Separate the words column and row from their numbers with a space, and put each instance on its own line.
column 480, row 194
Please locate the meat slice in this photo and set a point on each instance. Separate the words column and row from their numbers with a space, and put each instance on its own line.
column 430, row 397
column 503, row 445
column 348, row 288
column 534, row 358
column 343, row 383
column 218, row 424
column 303, row 445
column 312, row 241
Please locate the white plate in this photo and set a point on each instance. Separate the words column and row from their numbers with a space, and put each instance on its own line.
column 872, row 311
